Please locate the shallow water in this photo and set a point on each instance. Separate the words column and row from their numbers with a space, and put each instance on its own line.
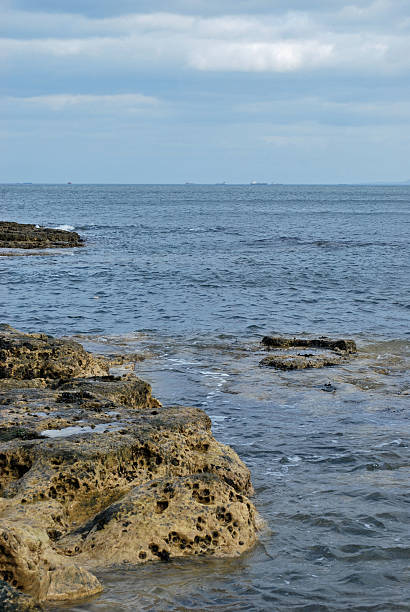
column 192, row 277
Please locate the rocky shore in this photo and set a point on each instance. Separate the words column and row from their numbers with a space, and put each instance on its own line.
column 95, row 472
column 29, row 236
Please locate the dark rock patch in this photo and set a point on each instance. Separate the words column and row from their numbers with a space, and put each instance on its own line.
column 325, row 352
column 29, row 236
column 348, row 346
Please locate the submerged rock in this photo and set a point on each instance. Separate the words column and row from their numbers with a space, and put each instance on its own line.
column 29, row 236
column 95, row 472
column 299, row 362
column 326, row 352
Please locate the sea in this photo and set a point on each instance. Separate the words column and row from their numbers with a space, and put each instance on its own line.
column 192, row 277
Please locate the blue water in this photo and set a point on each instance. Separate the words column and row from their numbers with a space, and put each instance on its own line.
column 215, row 259
column 193, row 276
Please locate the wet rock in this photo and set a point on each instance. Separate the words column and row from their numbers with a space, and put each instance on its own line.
column 325, row 352
column 328, row 387
column 348, row 346
column 126, row 390
column 28, row 236
column 38, row 356
column 94, row 471
column 12, row 600
column 299, row 362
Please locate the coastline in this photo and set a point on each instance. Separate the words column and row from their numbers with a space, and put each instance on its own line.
column 97, row 473
column 328, row 448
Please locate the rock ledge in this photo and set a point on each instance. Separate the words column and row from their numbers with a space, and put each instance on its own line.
column 28, row 236
column 95, row 472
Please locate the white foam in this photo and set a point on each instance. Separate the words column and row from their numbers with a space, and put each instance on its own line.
column 66, row 228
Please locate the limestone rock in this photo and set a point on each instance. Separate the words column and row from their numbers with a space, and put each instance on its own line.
column 300, row 361
column 28, row 559
column 12, row 600
column 325, row 352
column 95, row 471
column 28, row 236
column 33, row 356
column 191, row 515
column 348, row 346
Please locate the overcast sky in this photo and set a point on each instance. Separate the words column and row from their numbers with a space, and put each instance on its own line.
column 123, row 91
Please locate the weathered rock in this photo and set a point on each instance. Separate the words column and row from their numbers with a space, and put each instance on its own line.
column 300, row 362
column 95, row 472
column 128, row 391
column 28, row 236
column 326, row 352
column 348, row 346
column 12, row 600
column 33, row 356
column 191, row 515
column 28, row 559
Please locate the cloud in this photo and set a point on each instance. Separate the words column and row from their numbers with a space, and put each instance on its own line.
column 231, row 85
column 82, row 102
column 292, row 42
column 262, row 57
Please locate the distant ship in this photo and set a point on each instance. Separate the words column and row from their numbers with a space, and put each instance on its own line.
column 256, row 183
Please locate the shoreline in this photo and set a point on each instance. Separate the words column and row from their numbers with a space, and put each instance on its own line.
column 129, row 481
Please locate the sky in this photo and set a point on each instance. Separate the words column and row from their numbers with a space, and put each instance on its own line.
column 282, row 91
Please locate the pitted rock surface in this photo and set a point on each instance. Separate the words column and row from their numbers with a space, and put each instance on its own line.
column 38, row 356
column 96, row 472
column 12, row 600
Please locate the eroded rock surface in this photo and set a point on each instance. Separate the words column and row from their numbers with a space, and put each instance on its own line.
column 28, row 236
column 31, row 356
column 12, row 600
column 325, row 352
column 95, row 472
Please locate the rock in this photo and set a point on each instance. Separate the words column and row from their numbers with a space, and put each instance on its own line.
column 348, row 346
column 326, row 352
column 38, row 356
column 299, row 362
column 12, row 600
column 328, row 387
column 127, row 390
column 95, row 472
column 28, row 236
column 26, row 555
column 191, row 515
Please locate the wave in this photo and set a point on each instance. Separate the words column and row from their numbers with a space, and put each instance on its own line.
column 65, row 228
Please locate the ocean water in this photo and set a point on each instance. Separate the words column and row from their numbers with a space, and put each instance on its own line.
column 192, row 277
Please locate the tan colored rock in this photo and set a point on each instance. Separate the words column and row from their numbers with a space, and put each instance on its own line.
column 30, row 564
column 190, row 515
column 12, row 600
column 32, row 356
column 95, row 472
